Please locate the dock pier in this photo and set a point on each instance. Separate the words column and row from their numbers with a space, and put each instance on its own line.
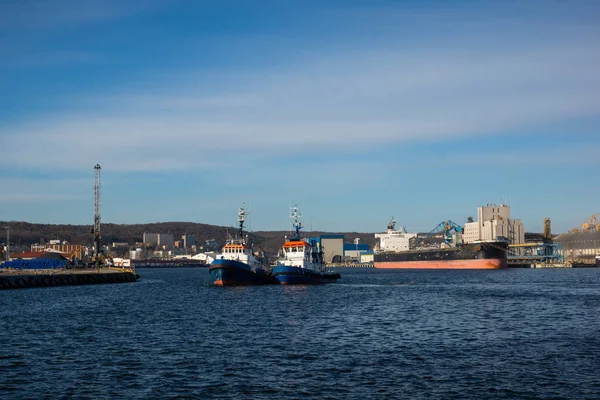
column 17, row 279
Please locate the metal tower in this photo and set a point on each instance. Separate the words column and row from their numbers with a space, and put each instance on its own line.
column 96, row 229
column 547, row 230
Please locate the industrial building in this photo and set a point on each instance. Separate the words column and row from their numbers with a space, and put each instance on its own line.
column 333, row 247
column 494, row 222
column 355, row 251
column 582, row 244
column 72, row 250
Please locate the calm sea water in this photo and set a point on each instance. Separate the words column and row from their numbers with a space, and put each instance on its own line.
column 512, row 334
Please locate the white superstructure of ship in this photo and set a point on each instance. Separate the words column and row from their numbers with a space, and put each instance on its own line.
column 237, row 264
column 237, row 248
column 300, row 252
column 394, row 240
column 301, row 260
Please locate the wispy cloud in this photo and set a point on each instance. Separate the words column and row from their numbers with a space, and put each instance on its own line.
column 32, row 33
column 341, row 100
column 21, row 190
column 479, row 81
column 567, row 155
column 49, row 59
column 36, row 198
column 32, row 14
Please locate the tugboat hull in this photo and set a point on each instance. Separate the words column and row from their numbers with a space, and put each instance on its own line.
column 232, row 273
column 301, row 276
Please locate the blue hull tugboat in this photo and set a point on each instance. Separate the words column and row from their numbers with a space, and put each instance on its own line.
column 300, row 260
column 237, row 263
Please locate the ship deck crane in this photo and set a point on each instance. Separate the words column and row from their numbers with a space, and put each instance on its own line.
column 446, row 228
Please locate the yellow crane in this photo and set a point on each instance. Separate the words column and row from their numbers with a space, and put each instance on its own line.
column 590, row 224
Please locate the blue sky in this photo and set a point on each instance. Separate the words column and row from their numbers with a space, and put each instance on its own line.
column 354, row 110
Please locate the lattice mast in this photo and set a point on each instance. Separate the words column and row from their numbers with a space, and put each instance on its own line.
column 96, row 229
column 241, row 220
column 295, row 217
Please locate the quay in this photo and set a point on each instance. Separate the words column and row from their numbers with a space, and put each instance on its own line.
column 17, row 279
column 351, row 265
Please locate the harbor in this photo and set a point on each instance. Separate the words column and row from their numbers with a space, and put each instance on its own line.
column 492, row 240
column 298, row 200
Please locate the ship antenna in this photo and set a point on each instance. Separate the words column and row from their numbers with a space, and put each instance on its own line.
column 241, row 219
column 392, row 224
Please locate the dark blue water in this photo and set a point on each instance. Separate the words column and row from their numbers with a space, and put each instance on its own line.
column 512, row 334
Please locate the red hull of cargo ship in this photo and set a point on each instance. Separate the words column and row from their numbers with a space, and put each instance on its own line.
column 444, row 264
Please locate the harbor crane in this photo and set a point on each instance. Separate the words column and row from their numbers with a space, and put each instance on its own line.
column 590, row 224
column 96, row 228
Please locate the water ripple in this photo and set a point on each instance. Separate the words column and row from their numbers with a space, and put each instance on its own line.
column 514, row 334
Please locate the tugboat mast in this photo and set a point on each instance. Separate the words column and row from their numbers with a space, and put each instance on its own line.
column 241, row 219
column 296, row 222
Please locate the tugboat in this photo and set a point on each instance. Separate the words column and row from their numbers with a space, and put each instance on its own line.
column 301, row 260
column 237, row 264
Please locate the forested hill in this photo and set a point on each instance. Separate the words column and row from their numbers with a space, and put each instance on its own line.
column 25, row 233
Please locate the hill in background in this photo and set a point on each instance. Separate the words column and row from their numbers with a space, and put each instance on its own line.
column 26, row 234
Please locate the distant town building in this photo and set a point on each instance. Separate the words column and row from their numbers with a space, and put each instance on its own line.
column 161, row 254
column 165, row 239
column 150, row 238
column 137, row 254
column 158, row 239
column 188, row 241
column 211, row 245
column 494, row 222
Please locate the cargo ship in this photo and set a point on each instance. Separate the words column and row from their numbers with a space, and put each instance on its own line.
column 397, row 249
column 300, row 261
column 237, row 264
